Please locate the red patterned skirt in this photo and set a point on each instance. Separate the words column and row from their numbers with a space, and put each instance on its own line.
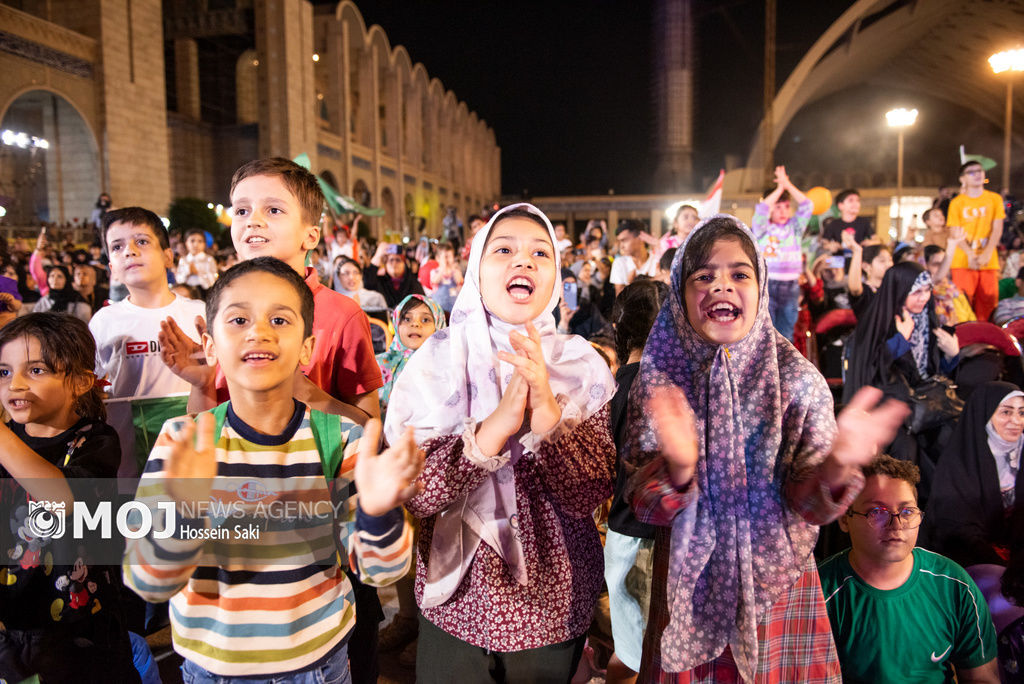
column 794, row 639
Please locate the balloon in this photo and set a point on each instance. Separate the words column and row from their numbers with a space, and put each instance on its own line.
column 821, row 198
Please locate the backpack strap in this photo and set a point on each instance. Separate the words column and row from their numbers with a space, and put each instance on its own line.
column 327, row 436
column 220, row 414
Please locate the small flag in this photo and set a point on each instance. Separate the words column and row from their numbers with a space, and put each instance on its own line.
column 986, row 163
column 712, row 204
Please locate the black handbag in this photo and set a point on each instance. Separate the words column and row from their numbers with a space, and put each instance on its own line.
column 932, row 403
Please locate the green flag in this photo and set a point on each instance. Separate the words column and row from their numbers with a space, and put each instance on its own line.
column 339, row 204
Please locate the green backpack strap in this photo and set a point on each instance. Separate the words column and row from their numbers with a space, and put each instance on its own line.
column 220, row 414
column 327, row 437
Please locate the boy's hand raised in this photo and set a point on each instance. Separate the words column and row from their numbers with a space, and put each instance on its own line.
column 192, row 463
column 184, row 357
column 388, row 479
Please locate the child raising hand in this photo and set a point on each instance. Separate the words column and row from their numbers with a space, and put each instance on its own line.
column 264, row 489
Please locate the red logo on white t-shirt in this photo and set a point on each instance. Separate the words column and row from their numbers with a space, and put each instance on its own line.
column 136, row 347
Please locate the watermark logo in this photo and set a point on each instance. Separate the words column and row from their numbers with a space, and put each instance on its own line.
column 291, row 521
column 45, row 519
column 134, row 520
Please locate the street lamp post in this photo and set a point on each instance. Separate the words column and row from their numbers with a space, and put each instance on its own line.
column 900, row 119
column 1008, row 60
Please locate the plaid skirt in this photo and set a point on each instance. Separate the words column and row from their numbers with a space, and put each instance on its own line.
column 794, row 639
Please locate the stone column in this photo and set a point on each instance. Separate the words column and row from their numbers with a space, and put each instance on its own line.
column 186, row 77
column 134, row 103
column 287, row 93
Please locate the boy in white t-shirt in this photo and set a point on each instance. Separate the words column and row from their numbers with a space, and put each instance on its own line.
column 635, row 257
column 140, row 387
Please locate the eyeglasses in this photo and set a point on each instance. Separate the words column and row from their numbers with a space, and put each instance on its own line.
column 909, row 517
column 974, row 172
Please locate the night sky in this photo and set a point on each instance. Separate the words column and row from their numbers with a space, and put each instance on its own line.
column 566, row 86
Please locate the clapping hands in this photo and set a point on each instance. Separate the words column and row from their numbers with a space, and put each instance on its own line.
column 388, row 479
column 677, row 432
column 528, row 393
column 530, row 365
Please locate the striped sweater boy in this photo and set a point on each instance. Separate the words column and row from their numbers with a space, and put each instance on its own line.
column 254, row 581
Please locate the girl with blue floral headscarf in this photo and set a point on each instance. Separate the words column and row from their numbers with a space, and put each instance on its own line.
column 414, row 319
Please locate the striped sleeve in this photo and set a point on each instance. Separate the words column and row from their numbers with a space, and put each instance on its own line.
column 156, row 569
column 379, row 548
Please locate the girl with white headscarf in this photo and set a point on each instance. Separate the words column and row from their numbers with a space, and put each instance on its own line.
column 513, row 417
column 738, row 484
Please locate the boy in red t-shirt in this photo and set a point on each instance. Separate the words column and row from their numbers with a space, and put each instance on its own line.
column 276, row 207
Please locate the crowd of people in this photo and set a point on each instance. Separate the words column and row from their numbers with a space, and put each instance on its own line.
column 610, row 452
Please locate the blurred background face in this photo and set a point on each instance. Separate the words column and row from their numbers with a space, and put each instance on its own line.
column 685, row 221
column 475, row 227
column 55, row 279
column 626, row 242
column 935, row 263
column 394, row 265
column 351, row 277
column 973, row 176
column 916, row 301
column 195, row 244
column 85, row 277
column 875, row 269
column 935, row 219
column 781, row 212
column 850, row 205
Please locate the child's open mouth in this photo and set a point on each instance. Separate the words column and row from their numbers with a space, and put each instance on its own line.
column 17, row 404
column 520, row 288
column 257, row 358
column 256, row 240
column 723, row 312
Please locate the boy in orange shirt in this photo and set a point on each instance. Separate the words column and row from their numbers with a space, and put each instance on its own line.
column 980, row 213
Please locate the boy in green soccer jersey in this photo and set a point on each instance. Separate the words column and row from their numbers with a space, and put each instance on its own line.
column 900, row 613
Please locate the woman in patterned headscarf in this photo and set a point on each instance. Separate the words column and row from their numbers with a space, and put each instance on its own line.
column 738, row 484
